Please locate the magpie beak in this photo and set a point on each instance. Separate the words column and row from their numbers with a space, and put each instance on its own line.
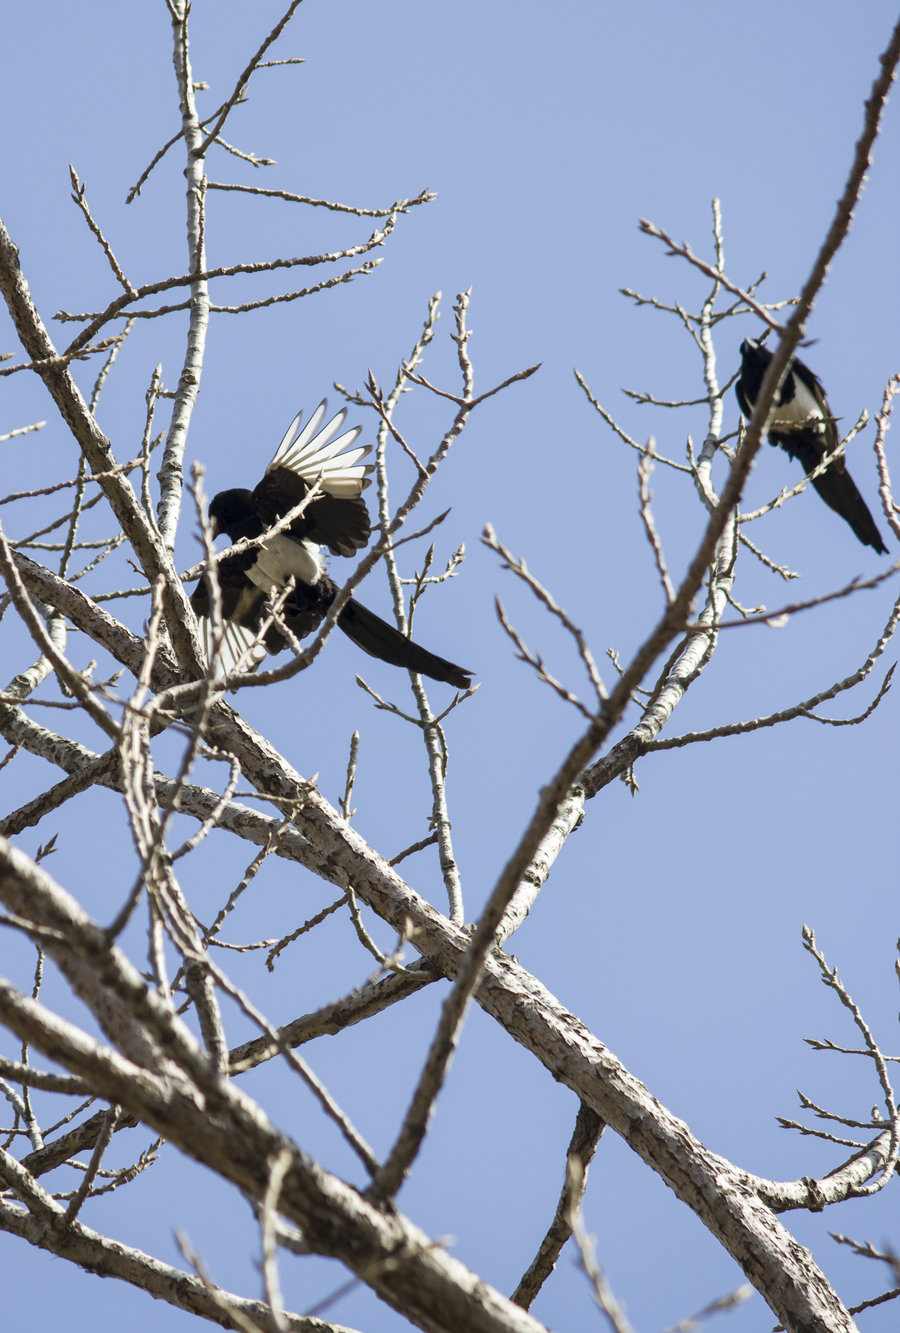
column 802, row 424
column 337, row 518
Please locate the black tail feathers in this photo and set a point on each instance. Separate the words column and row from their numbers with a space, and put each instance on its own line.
column 837, row 488
column 381, row 640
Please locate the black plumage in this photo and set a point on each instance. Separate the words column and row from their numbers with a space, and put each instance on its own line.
column 803, row 426
column 336, row 518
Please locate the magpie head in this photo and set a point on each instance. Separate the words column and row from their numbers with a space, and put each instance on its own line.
column 755, row 359
column 234, row 513
column 754, row 355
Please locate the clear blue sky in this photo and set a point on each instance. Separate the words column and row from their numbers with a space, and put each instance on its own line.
column 671, row 923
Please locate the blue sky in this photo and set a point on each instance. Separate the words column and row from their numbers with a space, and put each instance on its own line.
column 671, row 923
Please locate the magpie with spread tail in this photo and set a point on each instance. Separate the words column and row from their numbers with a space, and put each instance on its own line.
column 337, row 518
column 803, row 426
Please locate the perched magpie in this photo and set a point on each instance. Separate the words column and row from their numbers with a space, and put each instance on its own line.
column 803, row 426
column 337, row 518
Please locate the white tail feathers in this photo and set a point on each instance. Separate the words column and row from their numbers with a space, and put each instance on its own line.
column 313, row 452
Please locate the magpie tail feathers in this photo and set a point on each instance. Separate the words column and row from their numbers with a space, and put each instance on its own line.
column 312, row 452
column 839, row 491
column 376, row 637
column 835, row 486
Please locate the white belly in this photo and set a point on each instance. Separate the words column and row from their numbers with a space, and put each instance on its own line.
column 801, row 411
column 283, row 556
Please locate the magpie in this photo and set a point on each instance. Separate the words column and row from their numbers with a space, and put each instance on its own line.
column 803, row 426
column 337, row 518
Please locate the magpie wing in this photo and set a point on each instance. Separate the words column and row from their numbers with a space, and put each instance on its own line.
column 320, row 451
column 341, row 524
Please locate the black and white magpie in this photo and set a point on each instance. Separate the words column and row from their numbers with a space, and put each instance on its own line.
column 337, row 518
column 803, row 426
